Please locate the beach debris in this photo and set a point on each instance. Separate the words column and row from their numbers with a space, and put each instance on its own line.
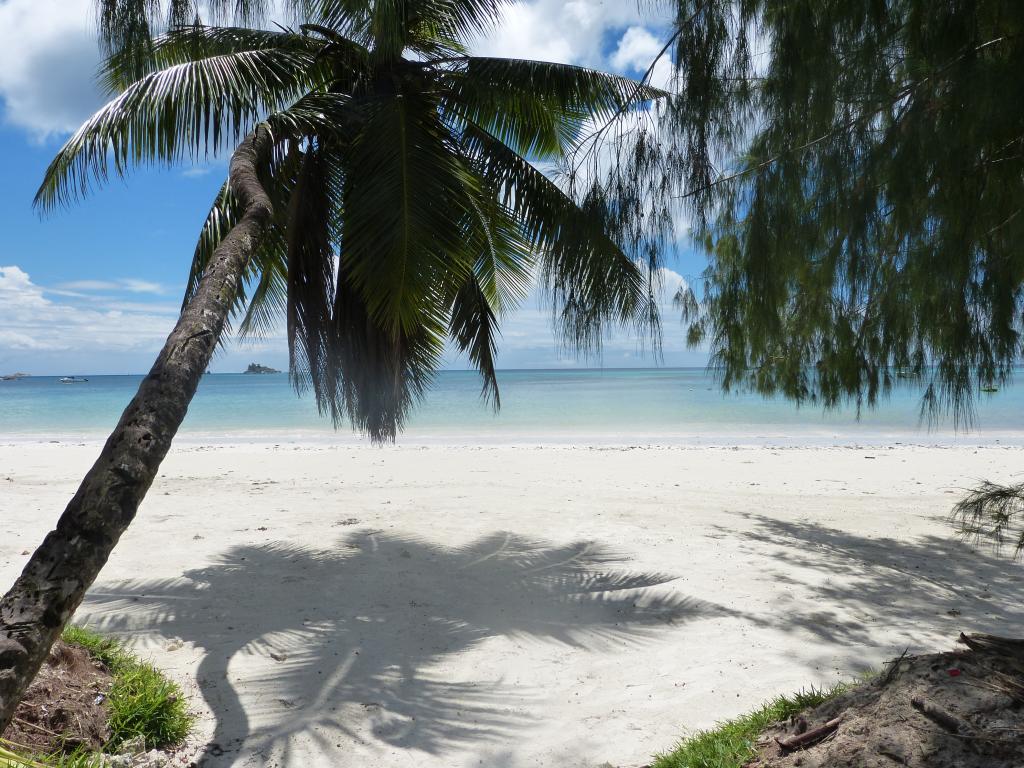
column 134, row 746
column 808, row 736
column 278, row 655
column 958, row 709
column 63, row 708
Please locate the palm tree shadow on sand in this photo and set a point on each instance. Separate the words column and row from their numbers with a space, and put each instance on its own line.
column 355, row 638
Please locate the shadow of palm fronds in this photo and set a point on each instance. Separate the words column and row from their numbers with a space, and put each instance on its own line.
column 361, row 635
column 851, row 587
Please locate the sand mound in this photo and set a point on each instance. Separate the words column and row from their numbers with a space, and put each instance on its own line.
column 63, row 708
column 962, row 709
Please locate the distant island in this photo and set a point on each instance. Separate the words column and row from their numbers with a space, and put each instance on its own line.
column 257, row 368
column 14, row 376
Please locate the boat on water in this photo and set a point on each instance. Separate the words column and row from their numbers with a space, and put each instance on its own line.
column 72, row 380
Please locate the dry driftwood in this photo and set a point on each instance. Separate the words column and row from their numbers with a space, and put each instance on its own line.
column 813, row 736
column 1005, row 645
column 942, row 717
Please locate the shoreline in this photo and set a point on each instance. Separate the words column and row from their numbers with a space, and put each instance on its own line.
column 682, row 441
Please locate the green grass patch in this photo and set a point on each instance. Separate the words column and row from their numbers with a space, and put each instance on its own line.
column 731, row 744
column 142, row 701
column 9, row 758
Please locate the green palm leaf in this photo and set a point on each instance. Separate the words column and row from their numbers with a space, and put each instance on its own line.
column 539, row 109
column 182, row 111
column 406, row 200
column 406, row 208
column 592, row 282
column 183, row 45
column 474, row 329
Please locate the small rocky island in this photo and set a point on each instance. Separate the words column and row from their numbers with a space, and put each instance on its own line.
column 257, row 368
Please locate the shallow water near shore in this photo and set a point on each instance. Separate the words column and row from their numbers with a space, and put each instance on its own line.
column 658, row 406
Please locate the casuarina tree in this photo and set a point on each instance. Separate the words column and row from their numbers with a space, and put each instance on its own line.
column 382, row 196
column 854, row 172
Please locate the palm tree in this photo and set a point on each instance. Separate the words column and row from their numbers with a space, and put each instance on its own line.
column 381, row 196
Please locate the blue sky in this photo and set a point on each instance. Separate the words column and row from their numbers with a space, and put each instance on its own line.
column 96, row 287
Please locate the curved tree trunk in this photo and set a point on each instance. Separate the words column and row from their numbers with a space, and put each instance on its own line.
column 43, row 599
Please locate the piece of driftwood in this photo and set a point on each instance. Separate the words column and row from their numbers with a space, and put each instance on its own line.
column 1006, row 645
column 812, row 736
column 942, row 717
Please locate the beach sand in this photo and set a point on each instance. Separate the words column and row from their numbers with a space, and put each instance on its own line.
column 519, row 606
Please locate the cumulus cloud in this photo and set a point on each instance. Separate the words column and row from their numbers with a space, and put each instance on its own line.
column 48, row 61
column 574, row 32
column 50, row 330
column 636, row 50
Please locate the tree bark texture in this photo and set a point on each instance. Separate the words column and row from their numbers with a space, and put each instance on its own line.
column 54, row 582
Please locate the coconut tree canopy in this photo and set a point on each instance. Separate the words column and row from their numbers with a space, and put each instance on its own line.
column 408, row 206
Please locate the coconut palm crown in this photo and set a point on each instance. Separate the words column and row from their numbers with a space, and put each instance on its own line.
column 408, row 209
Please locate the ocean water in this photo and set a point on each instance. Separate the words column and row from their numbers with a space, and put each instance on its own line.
column 601, row 406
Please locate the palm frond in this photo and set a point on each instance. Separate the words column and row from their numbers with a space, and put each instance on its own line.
column 186, row 44
column 992, row 513
column 320, row 114
column 310, row 272
column 506, row 263
column 127, row 27
column 182, row 111
column 376, row 374
column 464, row 19
column 538, row 108
column 473, row 328
column 592, row 282
column 406, row 202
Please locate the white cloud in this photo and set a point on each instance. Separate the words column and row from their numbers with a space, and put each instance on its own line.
column 48, row 61
column 49, row 54
column 573, row 32
column 55, row 329
column 129, row 284
column 636, row 50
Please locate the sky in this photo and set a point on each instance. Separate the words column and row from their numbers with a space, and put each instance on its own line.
column 96, row 287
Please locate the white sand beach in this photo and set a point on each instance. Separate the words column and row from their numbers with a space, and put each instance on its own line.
column 516, row 606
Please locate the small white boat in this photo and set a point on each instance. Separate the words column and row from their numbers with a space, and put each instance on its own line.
column 72, row 380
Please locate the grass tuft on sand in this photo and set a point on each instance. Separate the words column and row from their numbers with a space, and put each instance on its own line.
column 730, row 744
column 142, row 704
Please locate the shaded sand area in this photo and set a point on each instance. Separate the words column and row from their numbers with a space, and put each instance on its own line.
column 520, row 607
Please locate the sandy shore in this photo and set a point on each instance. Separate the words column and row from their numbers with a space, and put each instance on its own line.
column 520, row 607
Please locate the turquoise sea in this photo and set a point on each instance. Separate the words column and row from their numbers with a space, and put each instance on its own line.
column 602, row 406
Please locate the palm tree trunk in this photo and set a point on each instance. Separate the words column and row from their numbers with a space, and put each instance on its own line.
column 50, row 589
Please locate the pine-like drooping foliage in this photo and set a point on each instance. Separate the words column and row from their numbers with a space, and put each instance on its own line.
column 855, row 170
column 407, row 207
